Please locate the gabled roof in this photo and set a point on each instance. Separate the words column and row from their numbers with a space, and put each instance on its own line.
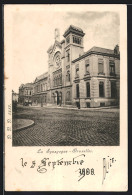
column 52, row 46
column 42, row 76
column 99, row 51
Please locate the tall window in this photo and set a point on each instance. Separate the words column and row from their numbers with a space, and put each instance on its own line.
column 88, row 89
column 87, row 66
column 68, row 76
column 112, row 67
column 61, row 79
column 68, row 55
column 68, row 40
column 58, row 60
column 41, row 87
column 100, row 66
column 77, row 71
column 77, row 40
column 57, row 81
column 113, row 89
column 54, row 81
column 101, row 89
column 77, row 90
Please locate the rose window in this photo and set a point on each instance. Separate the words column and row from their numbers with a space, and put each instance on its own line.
column 58, row 61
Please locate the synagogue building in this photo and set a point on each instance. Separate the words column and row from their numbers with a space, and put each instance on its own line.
column 77, row 78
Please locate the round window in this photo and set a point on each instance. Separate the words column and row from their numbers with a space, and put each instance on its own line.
column 58, row 60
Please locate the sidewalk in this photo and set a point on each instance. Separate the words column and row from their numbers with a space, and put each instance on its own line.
column 103, row 109
column 19, row 124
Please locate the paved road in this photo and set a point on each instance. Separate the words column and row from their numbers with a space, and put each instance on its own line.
column 64, row 127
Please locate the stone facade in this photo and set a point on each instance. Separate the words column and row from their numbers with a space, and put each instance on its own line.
column 78, row 78
column 40, row 88
column 98, row 78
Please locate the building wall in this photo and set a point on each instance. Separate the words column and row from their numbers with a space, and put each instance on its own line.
column 40, row 87
column 94, row 78
column 25, row 94
column 14, row 97
column 65, row 91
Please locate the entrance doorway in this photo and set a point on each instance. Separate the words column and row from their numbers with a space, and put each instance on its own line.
column 78, row 104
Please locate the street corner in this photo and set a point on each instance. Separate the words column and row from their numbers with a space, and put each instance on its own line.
column 20, row 124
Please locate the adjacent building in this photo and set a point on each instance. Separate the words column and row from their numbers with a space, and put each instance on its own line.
column 96, row 78
column 15, row 96
column 25, row 93
column 78, row 78
column 40, row 90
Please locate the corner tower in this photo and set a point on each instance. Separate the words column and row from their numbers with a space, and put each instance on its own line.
column 74, row 42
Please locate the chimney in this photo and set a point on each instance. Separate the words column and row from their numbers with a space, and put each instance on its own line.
column 116, row 50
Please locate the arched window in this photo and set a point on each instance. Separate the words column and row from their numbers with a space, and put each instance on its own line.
column 68, row 55
column 68, row 76
column 41, row 87
column 57, row 59
column 101, row 89
column 54, row 81
column 57, row 81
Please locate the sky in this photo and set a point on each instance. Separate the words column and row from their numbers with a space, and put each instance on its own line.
column 33, row 33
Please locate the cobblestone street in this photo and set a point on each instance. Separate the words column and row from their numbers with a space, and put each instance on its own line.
column 67, row 127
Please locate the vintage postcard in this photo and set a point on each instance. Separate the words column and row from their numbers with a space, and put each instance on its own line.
column 65, row 95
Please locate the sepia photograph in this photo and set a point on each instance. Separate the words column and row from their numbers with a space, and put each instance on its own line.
column 67, row 88
column 65, row 68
